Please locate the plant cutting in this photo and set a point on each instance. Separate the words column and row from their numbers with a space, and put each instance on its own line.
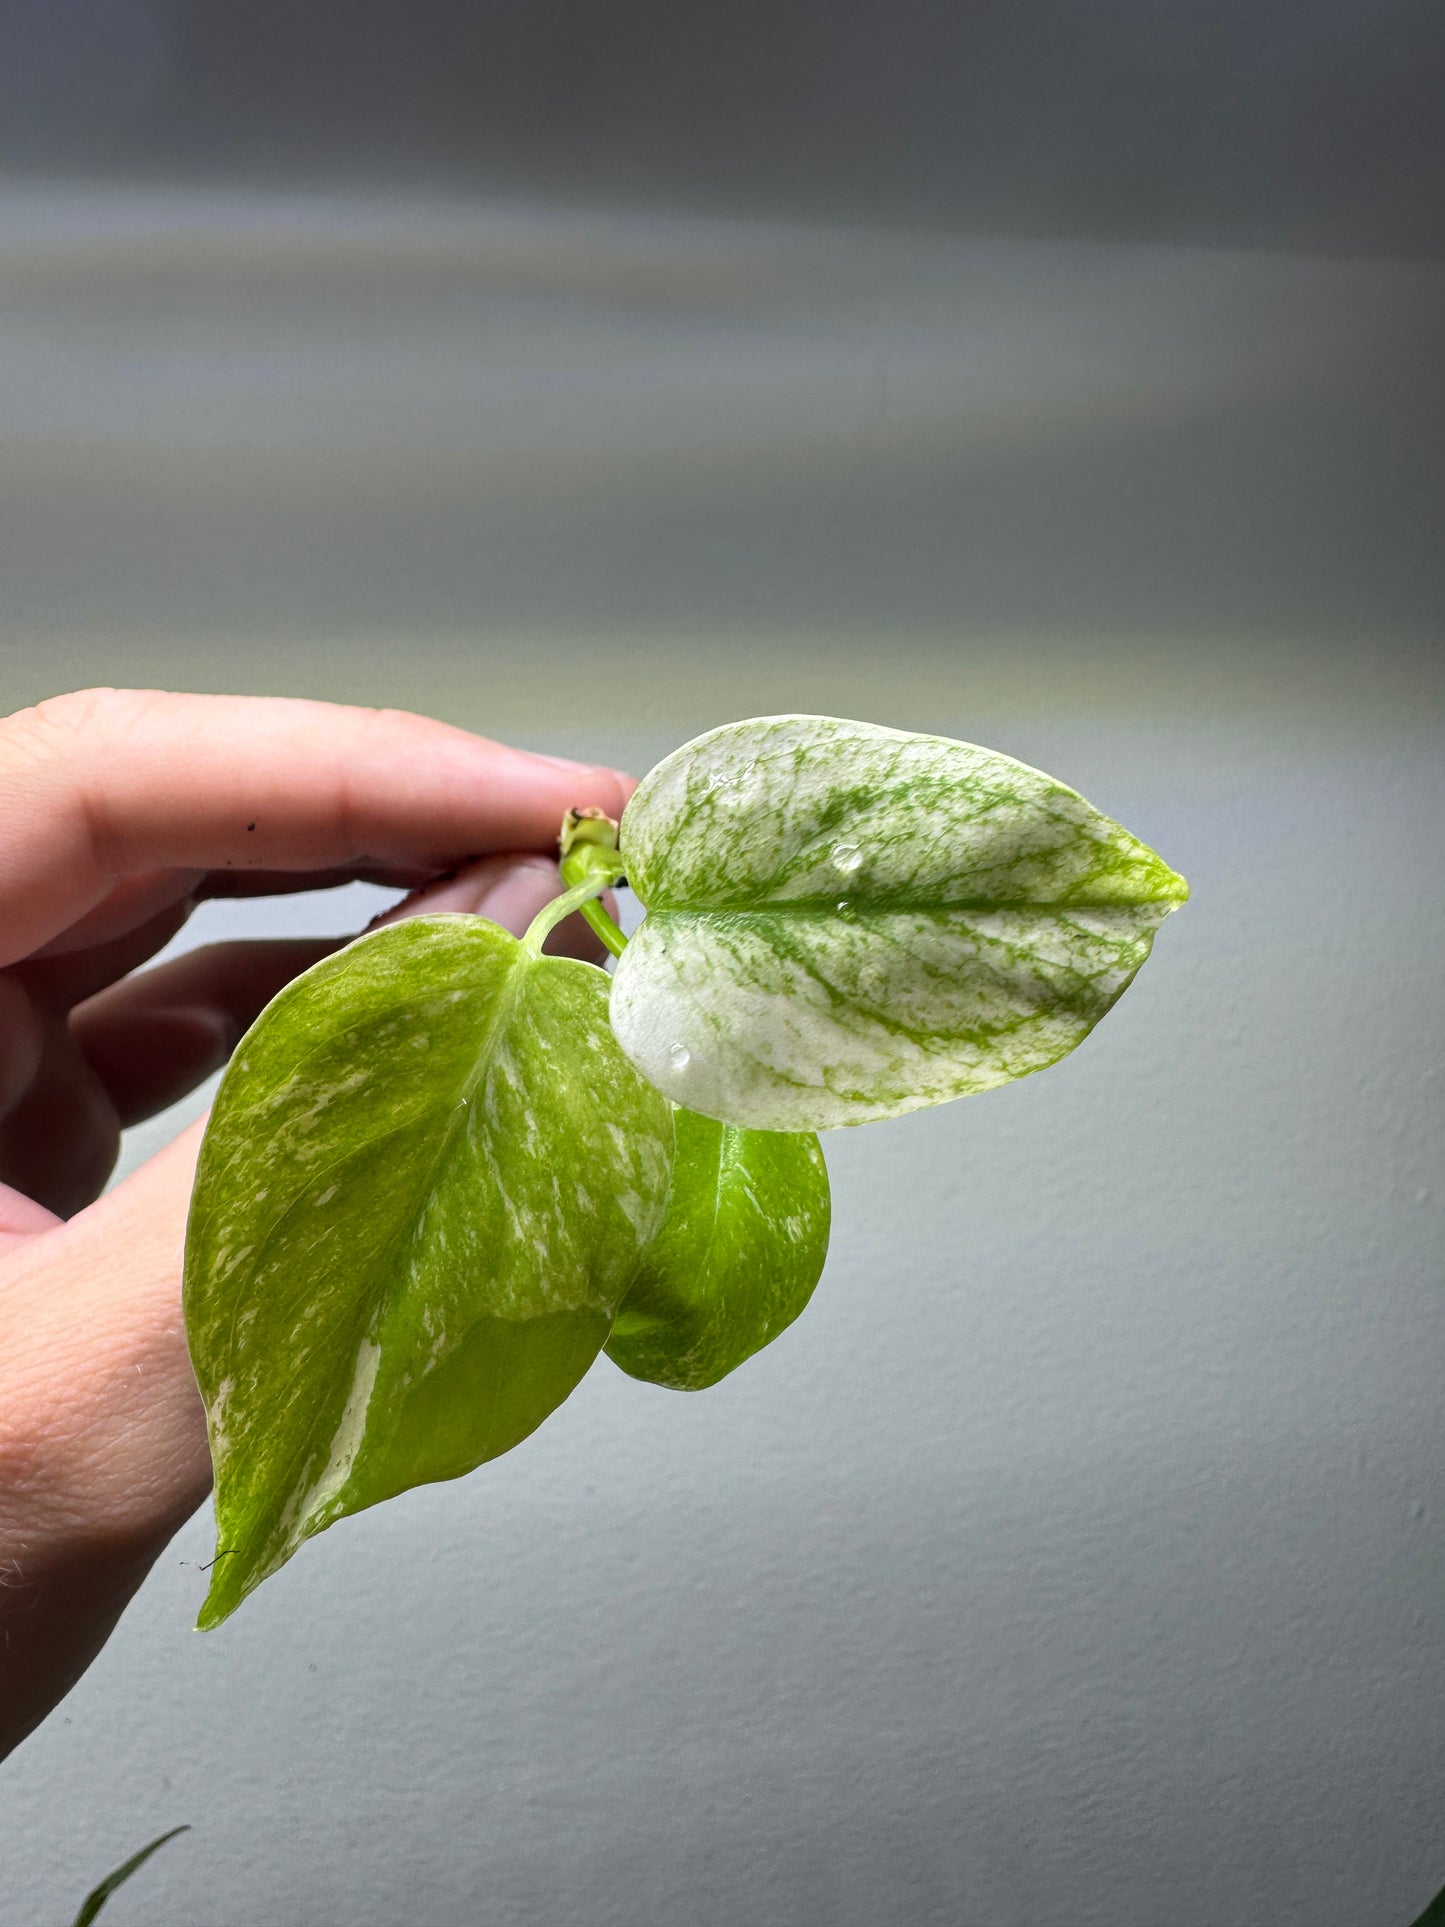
column 445, row 1170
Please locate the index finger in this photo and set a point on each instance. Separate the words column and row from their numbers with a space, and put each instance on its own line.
column 106, row 783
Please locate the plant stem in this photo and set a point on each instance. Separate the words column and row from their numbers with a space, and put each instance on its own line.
column 579, row 897
column 607, row 930
column 586, row 871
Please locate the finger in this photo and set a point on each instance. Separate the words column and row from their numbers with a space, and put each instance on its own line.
column 58, row 983
column 22, row 1038
column 21, row 1218
column 136, row 899
column 154, row 1037
column 94, row 1346
column 221, row 884
column 59, row 1143
column 60, row 979
column 130, row 903
column 97, row 786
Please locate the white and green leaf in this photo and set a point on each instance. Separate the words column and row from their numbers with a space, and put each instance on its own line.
column 736, row 1257
column 846, row 922
column 428, row 1178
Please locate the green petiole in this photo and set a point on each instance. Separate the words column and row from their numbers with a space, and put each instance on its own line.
column 588, row 845
column 581, row 896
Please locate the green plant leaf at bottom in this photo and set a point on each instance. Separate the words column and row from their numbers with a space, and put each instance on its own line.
column 846, row 922
column 427, row 1181
column 98, row 1896
column 736, row 1258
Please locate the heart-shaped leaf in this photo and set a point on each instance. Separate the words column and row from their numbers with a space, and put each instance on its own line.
column 736, row 1259
column 427, row 1182
column 846, row 922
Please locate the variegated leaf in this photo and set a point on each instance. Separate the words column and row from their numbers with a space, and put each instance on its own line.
column 426, row 1184
column 846, row 922
column 736, row 1258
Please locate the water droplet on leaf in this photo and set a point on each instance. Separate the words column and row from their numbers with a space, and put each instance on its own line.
column 845, row 909
column 847, row 857
column 679, row 1057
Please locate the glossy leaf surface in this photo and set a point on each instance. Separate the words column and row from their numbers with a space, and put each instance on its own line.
column 428, row 1178
column 846, row 922
column 736, row 1259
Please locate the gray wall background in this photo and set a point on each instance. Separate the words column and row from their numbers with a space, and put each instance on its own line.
column 1078, row 1558
column 1301, row 123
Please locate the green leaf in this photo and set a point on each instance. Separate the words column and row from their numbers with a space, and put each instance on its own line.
column 736, row 1259
column 1434, row 1914
column 427, row 1181
column 98, row 1896
column 845, row 922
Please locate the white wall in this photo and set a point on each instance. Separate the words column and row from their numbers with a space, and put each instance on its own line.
column 1078, row 1557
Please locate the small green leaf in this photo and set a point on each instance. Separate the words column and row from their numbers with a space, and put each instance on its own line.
column 846, row 922
column 98, row 1896
column 427, row 1181
column 736, row 1259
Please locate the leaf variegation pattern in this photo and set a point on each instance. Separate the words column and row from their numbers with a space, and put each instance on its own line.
column 428, row 1179
column 846, row 922
column 736, row 1258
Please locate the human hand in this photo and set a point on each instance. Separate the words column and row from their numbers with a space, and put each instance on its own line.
column 119, row 811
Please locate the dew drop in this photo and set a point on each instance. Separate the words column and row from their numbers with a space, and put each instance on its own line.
column 847, row 857
column 845, row 909
column 679, row 1057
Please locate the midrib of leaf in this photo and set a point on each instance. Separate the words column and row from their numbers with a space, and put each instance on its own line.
column 865, row 907
column 841, row 998
column 407, row 1224
column 462, row 1109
